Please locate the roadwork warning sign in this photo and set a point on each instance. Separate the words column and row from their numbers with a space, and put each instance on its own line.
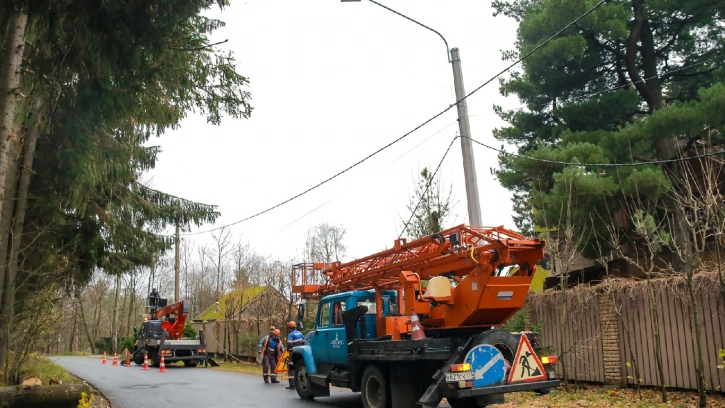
column 283, row 363
column 527, row 367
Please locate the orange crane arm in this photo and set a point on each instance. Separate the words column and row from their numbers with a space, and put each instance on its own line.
column 471, row 257
column 176, row 327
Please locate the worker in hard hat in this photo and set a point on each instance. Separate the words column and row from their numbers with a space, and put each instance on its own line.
column 263, row 339
column 295, row 338
column 272, row 350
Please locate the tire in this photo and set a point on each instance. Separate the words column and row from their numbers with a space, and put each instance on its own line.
column 463, row 402
column 138, row 358
column 504, row 341
column 374, row 389
column 302, row 380
column 191, row 363
column 154, row 360
column 543, row 391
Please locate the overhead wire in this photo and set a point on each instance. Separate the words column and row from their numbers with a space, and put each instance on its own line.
column 633, row 164
column 535, row 49
column 427, row 187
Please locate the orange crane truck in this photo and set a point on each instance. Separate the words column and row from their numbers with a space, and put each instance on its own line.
column 162, row 333
column 416, row 323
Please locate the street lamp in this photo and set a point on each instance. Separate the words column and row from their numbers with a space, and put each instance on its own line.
column 469, row 165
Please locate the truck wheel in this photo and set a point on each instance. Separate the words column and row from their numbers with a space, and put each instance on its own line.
column 138, row 358
column 302, row 380
column 190, row 363
column 374, row 389
column 504, row 341
column 543, row 391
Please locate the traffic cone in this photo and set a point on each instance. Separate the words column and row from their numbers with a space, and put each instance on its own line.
column 162, row 366
column 104, row 358
column 115, row 359
column 128, row 360
column 145, row 361
column 396, row 332
column 417, row 332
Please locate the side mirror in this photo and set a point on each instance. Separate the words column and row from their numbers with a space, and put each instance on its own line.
column 300, row 326
column 135, row 331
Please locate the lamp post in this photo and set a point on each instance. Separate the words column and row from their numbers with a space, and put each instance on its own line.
column 469, row 164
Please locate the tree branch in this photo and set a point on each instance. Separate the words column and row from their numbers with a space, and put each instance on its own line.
column 203, row 47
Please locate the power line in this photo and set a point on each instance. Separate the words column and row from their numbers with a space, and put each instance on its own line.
column 427, row 187
column 596, row 6
column 647, row 163
column 614, row 88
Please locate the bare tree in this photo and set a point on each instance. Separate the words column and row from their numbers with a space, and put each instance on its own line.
column 222, row 248
column 325, row 243
column 428, row 207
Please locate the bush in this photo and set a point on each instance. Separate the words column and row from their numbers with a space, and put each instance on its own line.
column 248, row 345
column 189, row 331
column 104, row 344
column 126, row 343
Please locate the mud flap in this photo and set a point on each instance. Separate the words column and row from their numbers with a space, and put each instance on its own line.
column 432, row 396
column 212, row 362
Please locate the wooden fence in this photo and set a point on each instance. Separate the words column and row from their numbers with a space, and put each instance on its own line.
column 608, row 335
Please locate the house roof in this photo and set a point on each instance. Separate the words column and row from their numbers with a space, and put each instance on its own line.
column 247, row 295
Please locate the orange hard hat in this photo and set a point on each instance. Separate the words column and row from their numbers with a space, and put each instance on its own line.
column 277, row 332
column 292, row 324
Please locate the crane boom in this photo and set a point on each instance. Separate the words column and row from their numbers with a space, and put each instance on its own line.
column 465, row 267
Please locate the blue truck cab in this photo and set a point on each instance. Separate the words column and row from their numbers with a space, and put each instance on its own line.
column 468, row 366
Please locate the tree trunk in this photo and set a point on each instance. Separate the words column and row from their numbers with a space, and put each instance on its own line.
column 10, row 86
column 72, row 334
column 114, row 320
column 79, row 305
column 6, row 217
column 658, row 342
column 698, row 340
column 17, row 208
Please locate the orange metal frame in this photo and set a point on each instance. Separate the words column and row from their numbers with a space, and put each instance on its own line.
column 175, row 329
column 481, row 294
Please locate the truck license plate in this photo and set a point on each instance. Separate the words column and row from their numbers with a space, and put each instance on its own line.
column 455, row 377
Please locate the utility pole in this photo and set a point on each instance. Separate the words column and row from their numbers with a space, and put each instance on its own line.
column 469, row 164
column 177, row 263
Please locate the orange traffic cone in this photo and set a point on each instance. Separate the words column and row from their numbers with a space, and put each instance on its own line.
column 162, row 366
column 115, row 359
column 104, row 358
column 145, row 361
column 396, row 332
column 128, row 360
column 417, row 333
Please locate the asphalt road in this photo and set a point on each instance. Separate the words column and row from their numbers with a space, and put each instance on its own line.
column 199, row 387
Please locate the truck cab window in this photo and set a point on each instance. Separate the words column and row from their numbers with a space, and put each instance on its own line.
column 324, row 315
column 337, row 310
column 370, row 303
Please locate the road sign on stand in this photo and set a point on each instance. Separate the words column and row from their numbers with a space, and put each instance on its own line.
column 526, row 367
column 283, row 363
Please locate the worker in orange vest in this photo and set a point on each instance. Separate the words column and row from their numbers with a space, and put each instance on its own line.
column 272, row 350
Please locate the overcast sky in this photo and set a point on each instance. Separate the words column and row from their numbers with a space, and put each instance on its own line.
column 331, row 83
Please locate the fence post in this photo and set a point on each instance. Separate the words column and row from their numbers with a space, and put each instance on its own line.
column 610, row 341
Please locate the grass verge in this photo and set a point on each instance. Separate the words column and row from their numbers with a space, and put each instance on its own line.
column 39, row 366
column 601, row 397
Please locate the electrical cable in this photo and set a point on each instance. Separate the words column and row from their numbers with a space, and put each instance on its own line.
column 647, row 163
column 538, row 47
column 427, row 187
column 614, row 88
